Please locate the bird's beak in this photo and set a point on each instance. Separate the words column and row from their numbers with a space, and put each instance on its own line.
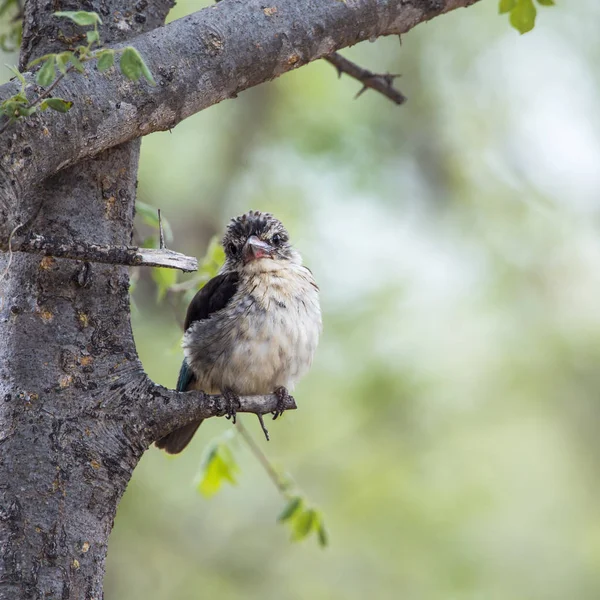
column 255, row 249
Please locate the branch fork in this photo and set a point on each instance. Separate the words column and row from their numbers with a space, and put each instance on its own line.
column 382, row 83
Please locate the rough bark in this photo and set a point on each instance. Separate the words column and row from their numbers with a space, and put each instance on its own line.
column 76, row 409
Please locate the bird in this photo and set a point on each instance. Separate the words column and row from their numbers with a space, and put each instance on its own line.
column 253, row 328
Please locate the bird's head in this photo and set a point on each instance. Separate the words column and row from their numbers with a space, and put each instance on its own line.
column 257, row 241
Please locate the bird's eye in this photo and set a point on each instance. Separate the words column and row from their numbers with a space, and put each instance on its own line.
column 276, row 239
column 232, row 248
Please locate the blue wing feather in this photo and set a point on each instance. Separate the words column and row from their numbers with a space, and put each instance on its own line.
column 185, row 378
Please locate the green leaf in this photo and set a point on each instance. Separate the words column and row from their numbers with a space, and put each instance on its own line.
column 57, row 104
column 80, row 17
column 17, row 106
column 9, row 108
column 302, row 525
column 106, row 60
column 25, row 111
column 290, row 509
column 546, row 2
column 164, row 279
column 46, row 75
column 211, row 263
column 506, row 6
column 146, row 72
column 62, row 61
column 322, row 535
column 148, row 213
column 92, row 36
column 218, row 466
column 522, row 16
column 133, row 66
column 130, row 64
column 77, row 64
column 16, row 73
column 40, row 59
column 20, row 97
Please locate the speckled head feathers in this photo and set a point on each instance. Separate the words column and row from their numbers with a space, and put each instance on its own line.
column 266, row 228
column 255, row 223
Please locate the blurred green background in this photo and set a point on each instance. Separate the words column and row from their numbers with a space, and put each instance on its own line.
column 449, row 428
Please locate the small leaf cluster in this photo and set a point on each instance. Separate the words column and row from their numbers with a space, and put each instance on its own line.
column 218, row 465
column 522, row 13
column 131, row 65
column 18, row 106
column 303, row 520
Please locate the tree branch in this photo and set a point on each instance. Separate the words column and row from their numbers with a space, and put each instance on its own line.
column 382, row 83
column 162, row 410
column 197, row 61
column 115, row 255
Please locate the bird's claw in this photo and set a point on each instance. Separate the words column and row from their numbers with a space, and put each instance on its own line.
column 283, row 397
column 233, row 403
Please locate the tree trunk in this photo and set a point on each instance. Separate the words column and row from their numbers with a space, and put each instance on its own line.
column 66, row 347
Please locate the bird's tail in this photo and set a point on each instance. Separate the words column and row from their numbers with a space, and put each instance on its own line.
column 177, row 440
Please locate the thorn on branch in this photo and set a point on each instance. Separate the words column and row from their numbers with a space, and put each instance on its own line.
column 161, row 232
column 382, row 83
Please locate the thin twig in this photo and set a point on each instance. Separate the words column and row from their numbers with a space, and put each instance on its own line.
column 276, row 478
column 382, row 83
column 50, row 89
column 262, row 426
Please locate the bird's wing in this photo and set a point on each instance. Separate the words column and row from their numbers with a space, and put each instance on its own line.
column 214, row 296
column 186, row 377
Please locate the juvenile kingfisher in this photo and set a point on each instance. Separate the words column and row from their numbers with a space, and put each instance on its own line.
column 253, row 329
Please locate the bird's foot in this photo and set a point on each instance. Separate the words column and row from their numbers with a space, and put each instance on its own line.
column 283, row 397
column 233, row 403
